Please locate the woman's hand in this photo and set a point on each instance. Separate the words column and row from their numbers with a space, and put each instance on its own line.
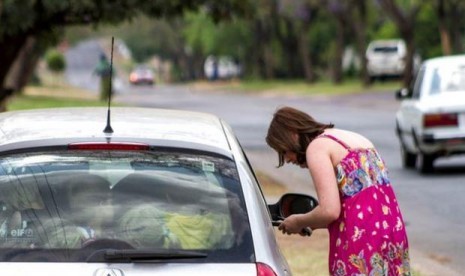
column 292, row 225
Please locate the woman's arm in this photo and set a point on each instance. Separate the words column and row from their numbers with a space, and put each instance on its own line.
column 324, row 179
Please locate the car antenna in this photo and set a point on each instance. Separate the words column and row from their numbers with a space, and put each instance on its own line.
column 108, row 128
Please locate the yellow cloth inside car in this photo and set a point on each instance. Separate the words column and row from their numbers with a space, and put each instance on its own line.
column 200, row 231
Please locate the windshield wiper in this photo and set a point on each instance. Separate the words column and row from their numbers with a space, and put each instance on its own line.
column 150, row 255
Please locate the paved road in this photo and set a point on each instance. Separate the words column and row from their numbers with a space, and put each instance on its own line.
column 81, row 62
column 432, row 206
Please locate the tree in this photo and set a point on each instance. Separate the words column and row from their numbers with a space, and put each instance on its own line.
column 451, row 20
column 264, row 59
column 403, row 14
column 45, row 17
column 359, row 12
column 340, row 10
column 299, row 17
column 204, row 38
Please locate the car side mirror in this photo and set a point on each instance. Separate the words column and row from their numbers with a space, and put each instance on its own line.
column 403, row 93
column 289, row 204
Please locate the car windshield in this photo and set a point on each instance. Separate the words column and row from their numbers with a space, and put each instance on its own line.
column 67, row 205
column 448, row 79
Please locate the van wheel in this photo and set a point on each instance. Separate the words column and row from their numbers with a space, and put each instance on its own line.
column 425, row 162
column 409, row 159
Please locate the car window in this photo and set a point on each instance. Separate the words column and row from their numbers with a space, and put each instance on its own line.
column 385, row 49
column 62, row 206
column 448, row 79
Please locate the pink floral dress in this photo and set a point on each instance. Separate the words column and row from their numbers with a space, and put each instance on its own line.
column 369, row 237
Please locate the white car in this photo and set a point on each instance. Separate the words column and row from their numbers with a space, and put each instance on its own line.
column 143, row 192
column 431, row 119
column 387, row 58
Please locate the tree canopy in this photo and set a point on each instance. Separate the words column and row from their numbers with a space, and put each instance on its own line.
column 303, row 39
column 25, row 23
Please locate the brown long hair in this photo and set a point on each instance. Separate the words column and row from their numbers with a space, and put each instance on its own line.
column 288, row 121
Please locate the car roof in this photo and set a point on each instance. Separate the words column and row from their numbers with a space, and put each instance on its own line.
column 445, row 60
column 133, row 123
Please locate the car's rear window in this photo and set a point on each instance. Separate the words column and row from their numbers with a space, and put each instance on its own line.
column 450, row 78
column 385, row 49
column 73, row 206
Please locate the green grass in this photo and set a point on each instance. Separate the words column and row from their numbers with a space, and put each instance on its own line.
column 33, row 102
column 319, row 88
column 299, row 87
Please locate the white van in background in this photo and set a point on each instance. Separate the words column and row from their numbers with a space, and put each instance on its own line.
column 387, row 58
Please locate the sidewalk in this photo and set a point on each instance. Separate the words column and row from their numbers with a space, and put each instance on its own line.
column 299, row 180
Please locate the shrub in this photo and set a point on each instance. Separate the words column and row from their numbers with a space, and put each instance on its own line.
column 55, row 61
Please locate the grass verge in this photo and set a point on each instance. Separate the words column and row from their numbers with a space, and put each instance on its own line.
column 296, row 87
column 55, row 96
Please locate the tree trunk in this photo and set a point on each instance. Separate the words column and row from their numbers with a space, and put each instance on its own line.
column 183, row 65
column 198, row 61
column 456, row 28
column 263, row 52
column 359, row 23
column 338, row 52
column 405, row 24
column 10, row 47
column 407, row 33
column 307, row 63
column 290, row 44
column 23, row 67
column 304, row 51
column 408, row 72
column 443, row 30
column 445, row 40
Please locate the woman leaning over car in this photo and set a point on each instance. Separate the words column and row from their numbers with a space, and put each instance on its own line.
column 357, row 203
